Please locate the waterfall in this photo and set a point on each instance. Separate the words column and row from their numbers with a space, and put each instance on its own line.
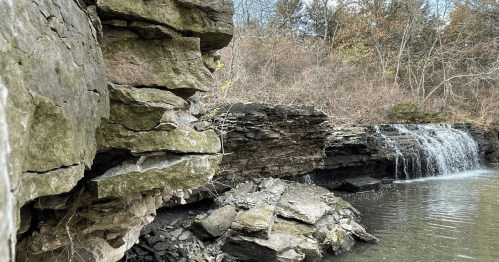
column 394, row 148
column 445, row 149
column 438, row 149
column 6, row 198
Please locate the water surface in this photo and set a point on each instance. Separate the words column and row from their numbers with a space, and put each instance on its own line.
column 447, row 218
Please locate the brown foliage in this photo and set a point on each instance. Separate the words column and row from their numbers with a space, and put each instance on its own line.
column 376, row 58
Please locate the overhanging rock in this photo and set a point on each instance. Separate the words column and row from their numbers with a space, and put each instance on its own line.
column 211, row 21
column 166, row 172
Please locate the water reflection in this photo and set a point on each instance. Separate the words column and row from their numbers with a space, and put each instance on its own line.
column 451, row 218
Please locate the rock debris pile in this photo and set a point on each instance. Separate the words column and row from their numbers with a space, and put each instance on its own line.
column 275, row 220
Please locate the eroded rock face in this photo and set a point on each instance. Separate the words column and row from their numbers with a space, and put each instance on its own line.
column 166, row 63
column 55, row 73
column 266, row 140
column 53, row 69
column 211, row 21
column 80, row 227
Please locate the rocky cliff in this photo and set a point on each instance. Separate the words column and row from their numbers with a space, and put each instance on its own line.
column 261, row 140
column 103, row 98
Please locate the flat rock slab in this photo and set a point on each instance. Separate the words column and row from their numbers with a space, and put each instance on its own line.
column 245, row 197
column 360, row 184
column 168, row 172
column 270, row 250
column 215, row 224
column 256, row 222
column 175, row 140
column 303, row 202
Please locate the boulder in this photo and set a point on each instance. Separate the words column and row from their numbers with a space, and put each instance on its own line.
column 211, row 21
column 166, row 171
column 214, row 224
column 360, row 184
column 174, row 64
column 303, row 202
column 255, row 222
column 269, row 250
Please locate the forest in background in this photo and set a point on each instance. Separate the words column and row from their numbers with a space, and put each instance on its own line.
column 366, row 61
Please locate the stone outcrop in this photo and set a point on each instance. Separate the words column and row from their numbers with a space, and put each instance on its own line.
column 80, row 227
column 120, row 80
column 167, row 172
column 210, row 21
column 260, row 140
column 53, row 69
column 245, row 225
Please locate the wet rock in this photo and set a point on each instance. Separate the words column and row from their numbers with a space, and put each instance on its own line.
column 255, row 222
column 215, row 224
column 360, row 184
column 338, row 241
column 361, row 233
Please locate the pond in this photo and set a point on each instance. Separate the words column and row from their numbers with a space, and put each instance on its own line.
column 445, row 218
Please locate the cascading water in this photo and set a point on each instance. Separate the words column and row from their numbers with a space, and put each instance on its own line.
column 440, row 149
column 394, row 148
column 445, row 149
column 6, row 199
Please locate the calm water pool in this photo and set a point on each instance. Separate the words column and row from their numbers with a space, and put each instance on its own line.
column 448, row 218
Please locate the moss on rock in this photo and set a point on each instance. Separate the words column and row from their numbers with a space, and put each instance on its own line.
column 167, row 172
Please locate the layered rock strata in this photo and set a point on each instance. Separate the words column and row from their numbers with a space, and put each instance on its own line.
column 144, row 79
column 261, row 140
column 368, row 151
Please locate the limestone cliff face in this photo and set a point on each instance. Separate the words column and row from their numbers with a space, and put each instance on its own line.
column 112, row 77
column 53, row 69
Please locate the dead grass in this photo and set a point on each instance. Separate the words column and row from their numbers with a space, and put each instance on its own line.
column 285, row 71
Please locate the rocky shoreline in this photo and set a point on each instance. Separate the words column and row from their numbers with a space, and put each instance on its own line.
column 273, row 220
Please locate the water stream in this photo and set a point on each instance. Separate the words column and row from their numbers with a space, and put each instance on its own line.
column 450, row 214
column 6, row 199
column 444, row 150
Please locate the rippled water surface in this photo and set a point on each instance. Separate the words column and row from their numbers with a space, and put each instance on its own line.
column 448, row 218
